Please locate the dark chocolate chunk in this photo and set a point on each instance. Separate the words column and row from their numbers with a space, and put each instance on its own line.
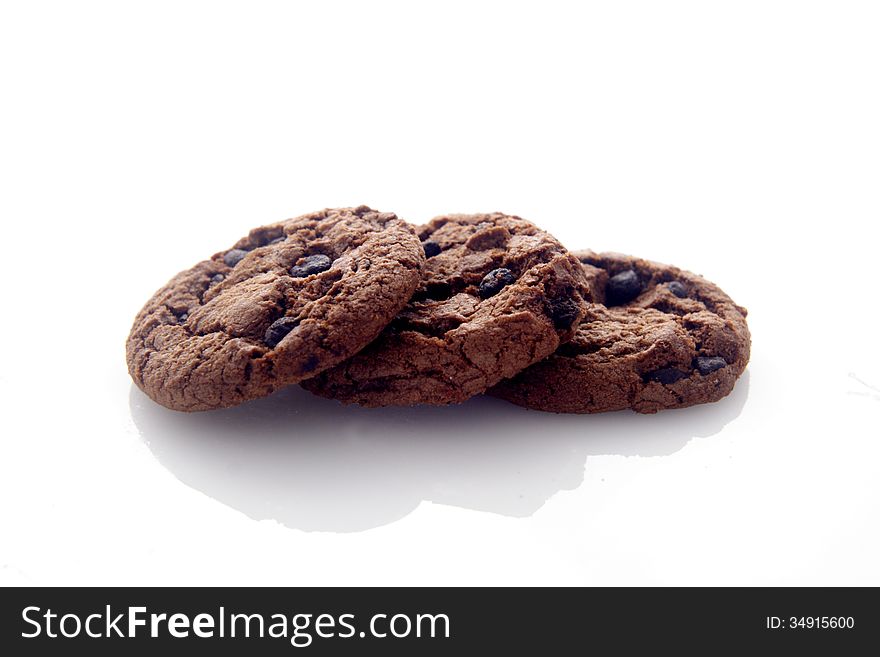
column 431, row 248
column 310, row 364
column 622, row 287
column 234, row 256
column 278, row 329
column 183, row 317
column 677, row 289
column 495, row 281
column 217, row 278
column 314, row 264
column 564, row 312
column 708, row 364
column 666, row 375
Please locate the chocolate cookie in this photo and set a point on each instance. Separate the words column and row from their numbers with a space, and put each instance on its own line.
column 283, row 304
column 498, row 294
column 666, row 338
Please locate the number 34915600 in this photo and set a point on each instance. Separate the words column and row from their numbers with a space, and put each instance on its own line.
column 811, row 622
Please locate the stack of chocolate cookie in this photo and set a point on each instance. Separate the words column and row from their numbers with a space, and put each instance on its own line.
column 359, row 306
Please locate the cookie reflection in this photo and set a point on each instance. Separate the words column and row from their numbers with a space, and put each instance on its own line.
column 315, row 465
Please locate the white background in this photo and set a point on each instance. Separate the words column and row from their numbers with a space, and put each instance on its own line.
column 739, row 140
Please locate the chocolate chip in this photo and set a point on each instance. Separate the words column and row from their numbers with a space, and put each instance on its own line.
column 431, row 248
column 310, row 364
column 314, row 264
column 279, row 328
column 708, row 364
column 677, row 289
column 666, row 375
column 233, row 257
column 564, row 312
column 217, row 278
column 495, row 281
column 183, row 317
column 622, row 287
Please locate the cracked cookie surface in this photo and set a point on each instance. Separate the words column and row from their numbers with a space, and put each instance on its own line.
column 281, row 305
column 497, row 295
column 665, row 338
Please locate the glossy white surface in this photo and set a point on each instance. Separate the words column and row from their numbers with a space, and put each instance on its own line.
column 738, row 142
